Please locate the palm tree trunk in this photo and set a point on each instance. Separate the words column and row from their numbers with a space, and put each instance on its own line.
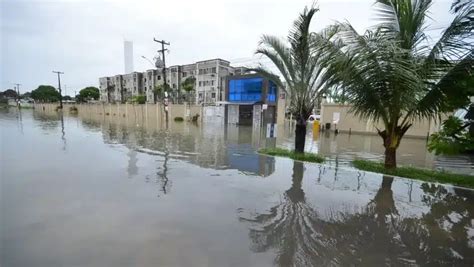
column 390, row 158
column 391, row 141
column 300, row 135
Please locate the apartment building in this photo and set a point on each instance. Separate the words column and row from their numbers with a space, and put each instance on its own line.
column 210, row 82
column 150, row 80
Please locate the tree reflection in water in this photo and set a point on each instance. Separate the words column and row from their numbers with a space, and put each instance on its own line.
column 375, row 235
column 290, row 227
column 445, row 234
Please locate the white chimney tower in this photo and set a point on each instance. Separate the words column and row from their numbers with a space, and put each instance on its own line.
column 128, row 56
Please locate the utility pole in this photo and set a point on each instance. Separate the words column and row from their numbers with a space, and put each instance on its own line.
column 17, row 90
column 59, row 88
column 165, row 85
column 162, row 51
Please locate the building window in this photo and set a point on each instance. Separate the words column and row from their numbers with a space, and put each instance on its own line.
column 213, row 95
column 200, row 83
column 212, row 82
column 243, row 90
column 158, row 78
column 272, row 91
column 213, row 70
column 184, row 74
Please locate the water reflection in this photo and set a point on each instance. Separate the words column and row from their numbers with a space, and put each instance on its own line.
column 290, row 227
column 63, row 132
column 97, row 201
column 228, row 148
column 162, row 173
column 345, row 147
column 52, row 122
column 445, row 234
column 373, row 235
column 232, row 148
column 132, row 168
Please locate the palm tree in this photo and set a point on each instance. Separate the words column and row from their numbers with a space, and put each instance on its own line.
column 391, row 73
column 299, row 65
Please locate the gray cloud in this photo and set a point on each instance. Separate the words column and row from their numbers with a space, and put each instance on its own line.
column 85, row 38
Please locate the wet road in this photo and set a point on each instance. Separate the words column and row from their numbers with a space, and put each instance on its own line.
column 106, row 191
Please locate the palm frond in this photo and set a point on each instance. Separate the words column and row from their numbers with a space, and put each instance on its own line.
column 264, row 72
column 451, row 87
column 281, row 51
column 457, row 39
column 297, row 62
column 404, row 20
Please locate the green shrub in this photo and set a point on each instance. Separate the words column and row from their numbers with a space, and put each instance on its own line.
column 417, row 173
column 73, row 109
column 291, row 154
column 178, row 119
column 139, row 99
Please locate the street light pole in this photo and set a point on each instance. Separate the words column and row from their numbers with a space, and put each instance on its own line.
column 59, row 88
column 149, row 61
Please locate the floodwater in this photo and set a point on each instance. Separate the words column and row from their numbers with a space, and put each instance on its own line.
column 107, row 191
column 341, row 149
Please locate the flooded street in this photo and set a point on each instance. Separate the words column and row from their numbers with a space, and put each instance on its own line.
column 108, row 191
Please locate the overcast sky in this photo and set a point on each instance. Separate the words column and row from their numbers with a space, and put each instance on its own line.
column 85, row 38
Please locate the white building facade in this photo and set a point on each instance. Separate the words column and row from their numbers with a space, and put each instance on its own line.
column 209, row 82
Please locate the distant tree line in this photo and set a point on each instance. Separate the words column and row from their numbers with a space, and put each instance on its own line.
column 48, row 94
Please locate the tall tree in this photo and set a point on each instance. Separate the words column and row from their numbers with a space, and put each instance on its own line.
column 88, row 93
column 299, row 65
column 392, row 74
column 45, row 93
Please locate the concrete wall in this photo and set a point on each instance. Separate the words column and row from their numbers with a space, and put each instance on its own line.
column 349, row 122
column 214, row 114
column 138, row 113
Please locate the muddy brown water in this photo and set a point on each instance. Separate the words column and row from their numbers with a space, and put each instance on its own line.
column 107, row 191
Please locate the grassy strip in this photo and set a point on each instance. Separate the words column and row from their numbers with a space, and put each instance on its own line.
column 416, row 173
column 291, row 154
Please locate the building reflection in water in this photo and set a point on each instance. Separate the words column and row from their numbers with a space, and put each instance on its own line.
column 374, row 235
column 132, row 168
column 382, row 231
column 220, row 147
